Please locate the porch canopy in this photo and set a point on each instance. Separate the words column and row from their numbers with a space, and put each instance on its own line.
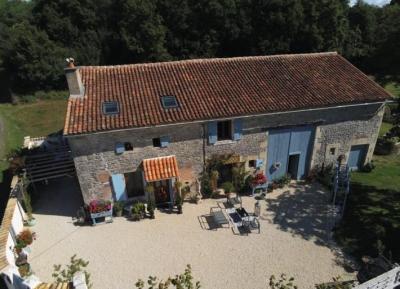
column 160, row 168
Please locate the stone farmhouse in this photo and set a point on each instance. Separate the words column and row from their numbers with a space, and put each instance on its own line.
column 129, row 125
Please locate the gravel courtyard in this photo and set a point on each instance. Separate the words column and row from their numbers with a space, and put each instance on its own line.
column 294, row 239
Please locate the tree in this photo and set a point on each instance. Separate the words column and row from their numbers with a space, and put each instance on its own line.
column 32, row 59
column 361, row 38
column 282, row 283
column 73, row 24
column 275, row 25
column 182, row 281
column 66, row 274
column 140, row 33
column 387, row 54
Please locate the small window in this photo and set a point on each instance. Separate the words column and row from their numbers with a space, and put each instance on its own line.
column 110, row 107
column 128, row 146
column 119, row 148
column 332, row 151
column 169, row 101
column 252, row 163
column 157, row 142
column 224, row 130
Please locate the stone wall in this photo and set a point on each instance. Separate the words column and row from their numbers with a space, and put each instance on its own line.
column 341, row 136
column 94, row 154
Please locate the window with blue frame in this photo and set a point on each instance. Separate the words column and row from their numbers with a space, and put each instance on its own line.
column 169, row 101
column 110, row 107
column 161, row 142
column 224, row 130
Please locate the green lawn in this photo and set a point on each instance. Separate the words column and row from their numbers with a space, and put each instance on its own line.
column 385, row 127
column 386, row 175
column 34, row 119
column 393, row 88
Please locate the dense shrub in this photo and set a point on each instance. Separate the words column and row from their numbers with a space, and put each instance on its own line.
column 384, row 146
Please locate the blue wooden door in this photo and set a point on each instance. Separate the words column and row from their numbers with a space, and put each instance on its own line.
column 278, row 153
column 301, row 142
column 357, row 156
column 285, row 142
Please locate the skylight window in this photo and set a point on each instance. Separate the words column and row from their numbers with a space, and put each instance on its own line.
column 169, row 101
column 110, row 107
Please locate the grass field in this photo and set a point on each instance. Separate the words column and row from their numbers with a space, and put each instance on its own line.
column 393, row 88
column 385, row 127
column 385, row 176
column 34, row 119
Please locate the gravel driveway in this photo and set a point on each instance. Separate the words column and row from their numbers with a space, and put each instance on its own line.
column 294, row 239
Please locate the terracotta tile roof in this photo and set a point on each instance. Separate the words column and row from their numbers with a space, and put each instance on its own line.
column 4, row 230
column 216, row 88
column 160, row 168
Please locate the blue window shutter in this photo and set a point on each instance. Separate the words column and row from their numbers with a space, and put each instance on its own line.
column 212, row 132
column 237, row 129
column 164, row 140
column 119, row 187
column 119, row 148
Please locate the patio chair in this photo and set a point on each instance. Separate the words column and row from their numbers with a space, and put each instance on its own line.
column 236, row 200
column 252, row 223
column 219, row 216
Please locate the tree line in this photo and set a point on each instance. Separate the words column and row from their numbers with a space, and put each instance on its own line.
column 36, row 36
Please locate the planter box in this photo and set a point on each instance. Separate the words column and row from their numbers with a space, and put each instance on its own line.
column 107, row 215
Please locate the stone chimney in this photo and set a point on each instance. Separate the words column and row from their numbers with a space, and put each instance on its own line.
column 74, row 80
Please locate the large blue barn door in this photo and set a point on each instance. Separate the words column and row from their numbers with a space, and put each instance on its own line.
column 357, row 156
column 278, row 153
column 285, row 142
column 301, row 143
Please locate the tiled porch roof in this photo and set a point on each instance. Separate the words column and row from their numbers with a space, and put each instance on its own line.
column 160, row 168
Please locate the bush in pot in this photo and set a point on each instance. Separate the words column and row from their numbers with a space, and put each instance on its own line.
column 150, row 208
column 228, row 188
column 26, row 197
column 214, row 176
column 179, row 202
column 138, row 211
column 118, row 208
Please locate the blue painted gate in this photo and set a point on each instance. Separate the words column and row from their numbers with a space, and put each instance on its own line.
column 285, row 142
column 357, row 156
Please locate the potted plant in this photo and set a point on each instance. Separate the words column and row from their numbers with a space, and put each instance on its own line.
column 214, row 176
column 118, row 208
column 25, row 270
column 179, row 202
column 228, row 188
column 194, row 198
column 138, row 210
column 178, row 186
column 31, row 221
column 23, row 240
column 149, row 189
column 150, row 208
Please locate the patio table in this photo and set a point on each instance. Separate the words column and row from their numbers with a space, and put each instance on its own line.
column 241, row 218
